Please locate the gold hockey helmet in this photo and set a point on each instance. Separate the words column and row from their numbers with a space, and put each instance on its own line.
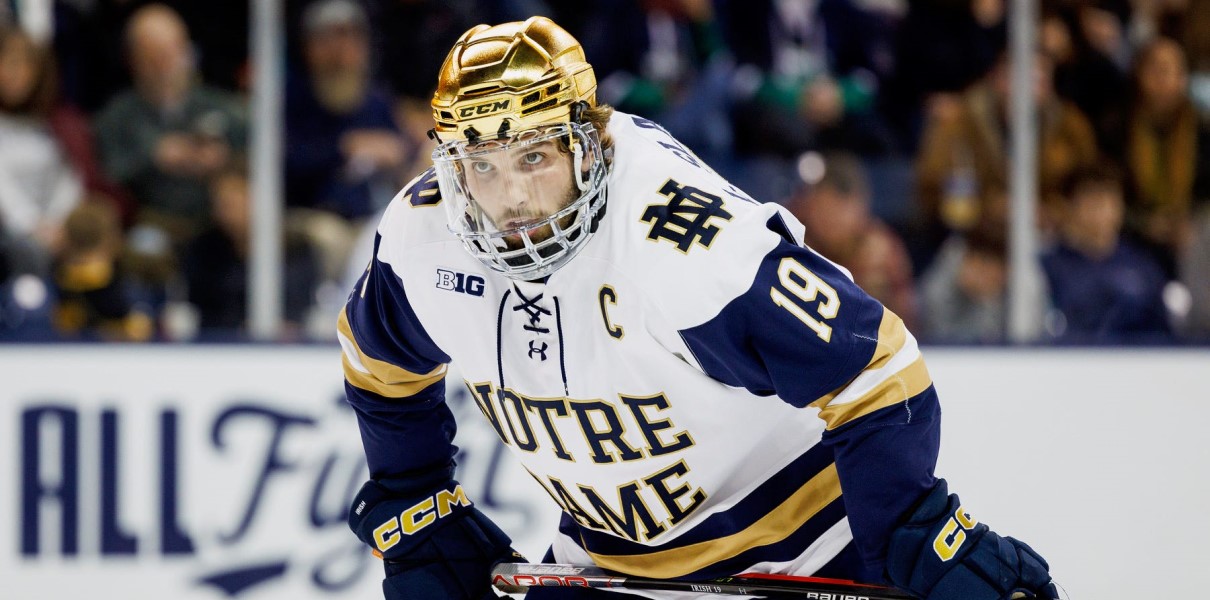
column 512, row 76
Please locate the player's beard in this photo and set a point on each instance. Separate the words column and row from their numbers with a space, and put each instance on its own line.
column 517, row 220
column 538, row 235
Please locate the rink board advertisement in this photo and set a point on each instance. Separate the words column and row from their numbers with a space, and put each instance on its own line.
column 202, row 473
column 216, row 472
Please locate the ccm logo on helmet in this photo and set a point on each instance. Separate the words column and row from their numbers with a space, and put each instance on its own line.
column 420, row 515
column 483, row 109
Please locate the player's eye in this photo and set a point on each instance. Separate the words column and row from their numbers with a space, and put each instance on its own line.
column 533, row 159
column 481, row 167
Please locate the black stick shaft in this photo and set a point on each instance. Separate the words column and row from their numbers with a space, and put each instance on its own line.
column 516, row 577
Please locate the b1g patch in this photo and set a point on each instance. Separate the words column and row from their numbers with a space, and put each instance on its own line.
column 462, row 283
column 686, row 218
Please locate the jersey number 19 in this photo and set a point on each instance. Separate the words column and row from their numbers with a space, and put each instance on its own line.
column 806, row 287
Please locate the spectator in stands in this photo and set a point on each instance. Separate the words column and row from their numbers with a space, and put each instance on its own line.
column 808, row 77
column 1105, row 288
column 1083, row 74
column 836, row 213
column 1166, row 149
column 419, row 29
column 1104, row 23
column 422, row 32
column 964, row 292
column 665, row 60
column 344, row 149
column 940, row 48
column 88, row 39
column 38, row 184
column 1151, row 19
column 216, row 263
column 964, row 151
column 165, row 137
column 96, row 297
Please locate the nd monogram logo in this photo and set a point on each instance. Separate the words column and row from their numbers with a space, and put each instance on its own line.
column 686, row 217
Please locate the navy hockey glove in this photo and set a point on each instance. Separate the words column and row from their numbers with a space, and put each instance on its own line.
column 434, row 542
column 943, row 553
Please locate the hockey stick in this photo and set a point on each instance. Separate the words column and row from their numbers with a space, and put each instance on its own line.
column 516, row 577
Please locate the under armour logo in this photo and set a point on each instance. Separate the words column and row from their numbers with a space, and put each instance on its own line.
column 534, row 348
column 686, row 217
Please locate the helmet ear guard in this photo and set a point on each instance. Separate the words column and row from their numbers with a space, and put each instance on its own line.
column 577, row 149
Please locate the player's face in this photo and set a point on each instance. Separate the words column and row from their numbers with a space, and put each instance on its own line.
column 516, row 187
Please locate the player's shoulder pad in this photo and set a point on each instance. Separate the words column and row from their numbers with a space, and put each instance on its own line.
column 683, row 232
column 415, row 215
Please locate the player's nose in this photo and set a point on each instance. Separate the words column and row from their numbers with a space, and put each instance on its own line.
column 515, row 194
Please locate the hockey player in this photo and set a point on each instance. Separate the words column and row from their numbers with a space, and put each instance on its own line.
column 699, row 392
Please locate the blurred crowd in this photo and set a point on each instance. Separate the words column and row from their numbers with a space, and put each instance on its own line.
column 884, row 125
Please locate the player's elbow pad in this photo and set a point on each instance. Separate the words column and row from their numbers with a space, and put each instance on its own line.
column 943, row 553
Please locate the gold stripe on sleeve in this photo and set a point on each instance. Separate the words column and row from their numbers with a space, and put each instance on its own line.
column 908, row 382
column 774, row 527
column 891, row 337
column 384, row 379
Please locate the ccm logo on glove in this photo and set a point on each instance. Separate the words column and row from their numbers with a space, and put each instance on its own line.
column 420, row 515
column 951, row 536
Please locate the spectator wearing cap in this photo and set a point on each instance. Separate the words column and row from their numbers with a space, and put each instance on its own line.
column 164, row 137
column 344, row 150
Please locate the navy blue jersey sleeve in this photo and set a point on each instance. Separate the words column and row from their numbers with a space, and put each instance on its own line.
column 806, row 333
column 394, row 377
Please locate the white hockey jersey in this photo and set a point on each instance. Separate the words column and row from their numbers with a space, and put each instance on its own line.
column 694, row 389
